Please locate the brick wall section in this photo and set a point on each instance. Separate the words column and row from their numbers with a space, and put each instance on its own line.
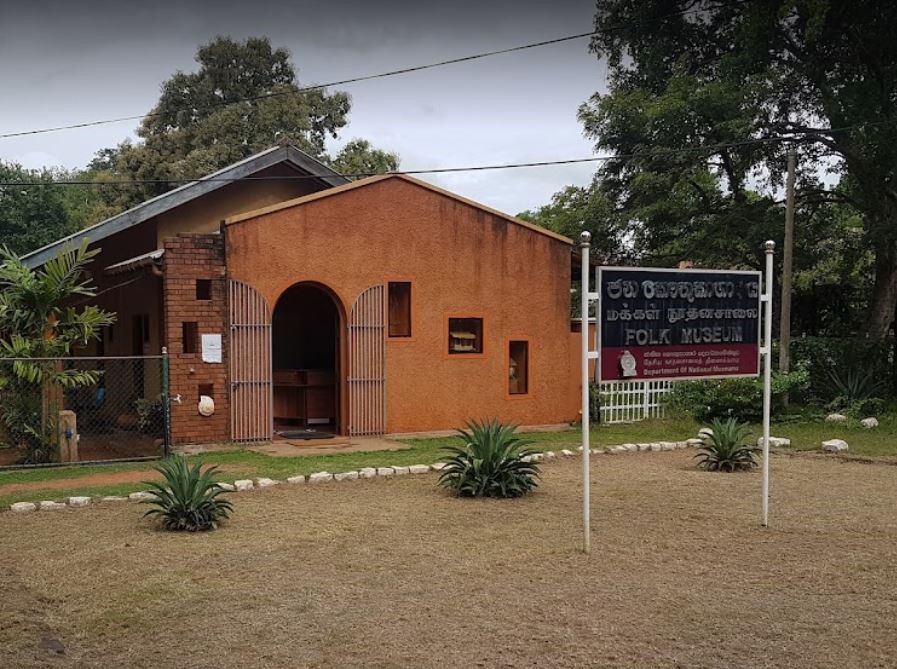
column 189, row 257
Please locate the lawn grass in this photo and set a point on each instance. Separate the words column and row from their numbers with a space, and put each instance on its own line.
column 398, row 573
column 237, row 464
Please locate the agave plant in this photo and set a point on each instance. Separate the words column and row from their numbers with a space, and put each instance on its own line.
column 725, row 449
column 856, row 385
column 493, row 462
column 188, row 499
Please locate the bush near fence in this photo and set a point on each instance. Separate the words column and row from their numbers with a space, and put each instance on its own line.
column 119, row 415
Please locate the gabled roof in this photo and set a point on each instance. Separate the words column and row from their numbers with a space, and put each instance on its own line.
column 283, row 153
column 361, row 183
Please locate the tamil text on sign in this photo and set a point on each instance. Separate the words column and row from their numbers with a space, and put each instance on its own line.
column 678, row 323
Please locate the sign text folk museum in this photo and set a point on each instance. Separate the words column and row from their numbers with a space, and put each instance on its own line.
column 678, row 323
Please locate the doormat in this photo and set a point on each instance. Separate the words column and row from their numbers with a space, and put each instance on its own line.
column 305, row 434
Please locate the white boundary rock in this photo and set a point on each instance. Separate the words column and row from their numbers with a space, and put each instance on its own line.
column 834, row 445
column 836, row 418
column 23, row 507
column 774, row 442
column 695, row 443
column 869, row 423
column 48, row 505
column 831, row 445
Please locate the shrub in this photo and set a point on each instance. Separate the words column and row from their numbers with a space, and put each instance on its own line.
column 820, row 355
column 725, row 450
column 492, row 462
column 859, row 391
column 741, row 399
column 188, row 498
column 151, row 415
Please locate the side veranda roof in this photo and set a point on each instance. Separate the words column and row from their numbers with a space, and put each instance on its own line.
column 282, row 153
column 361, row 183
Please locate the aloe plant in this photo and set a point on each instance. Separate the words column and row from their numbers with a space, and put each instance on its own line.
column 188, row 498
column 725, row 449
column 493, row 462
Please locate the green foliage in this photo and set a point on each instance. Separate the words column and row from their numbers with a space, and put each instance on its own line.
column 740, row 399
column 360, row 157
column 188, row 498
column 490, row 464
column 827, row 357
column 220, row 126
column 725, row 449
column 574, row 209
column 859, row 391
column 31, row 216
column 25, row 424
column 37, row 323
column 821, row 72
column 150, row 415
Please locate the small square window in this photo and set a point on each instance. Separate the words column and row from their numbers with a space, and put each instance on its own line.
column 399, row 309
column 518, row 368
column 203, row 289
column 465, row 336
column 189, row 337
column 207, row 389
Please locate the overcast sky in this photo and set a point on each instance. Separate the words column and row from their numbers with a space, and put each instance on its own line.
column 68, row 62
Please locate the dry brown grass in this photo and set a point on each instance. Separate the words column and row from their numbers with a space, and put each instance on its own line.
column 394, row 573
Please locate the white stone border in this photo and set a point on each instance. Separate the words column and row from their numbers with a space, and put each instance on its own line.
column 353, row 475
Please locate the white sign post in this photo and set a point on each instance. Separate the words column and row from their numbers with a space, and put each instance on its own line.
column 766, row 351
column 742, row 364
column 585, row 299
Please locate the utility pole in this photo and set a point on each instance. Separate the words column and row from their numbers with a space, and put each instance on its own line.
column 787, row 251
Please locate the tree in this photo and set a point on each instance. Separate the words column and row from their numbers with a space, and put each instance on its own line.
column 31, row 216
column 244, row 98
column 713, row 77
column 360, row 157
column 37, row 327
column 574, row 209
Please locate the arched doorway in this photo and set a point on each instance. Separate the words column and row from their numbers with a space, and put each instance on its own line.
column 306, row 344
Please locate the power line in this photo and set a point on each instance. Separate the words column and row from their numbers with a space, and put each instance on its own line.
column 795, row 138
column 351, row 80
column 437, row 170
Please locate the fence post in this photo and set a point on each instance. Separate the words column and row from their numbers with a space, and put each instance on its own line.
column 166, row 402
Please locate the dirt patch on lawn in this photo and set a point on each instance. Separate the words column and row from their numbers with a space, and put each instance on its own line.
column 393, row 572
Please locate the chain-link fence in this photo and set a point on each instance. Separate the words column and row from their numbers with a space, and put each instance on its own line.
column 83, row 409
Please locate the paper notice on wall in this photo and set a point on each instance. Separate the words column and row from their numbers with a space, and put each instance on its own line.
column 211, row 348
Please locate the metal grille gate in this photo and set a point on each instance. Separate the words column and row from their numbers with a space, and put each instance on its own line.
column 251, row 386
column 367, row 363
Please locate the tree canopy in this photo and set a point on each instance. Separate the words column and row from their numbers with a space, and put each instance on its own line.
column 32, row 216
column 244, row 97
column 700, row 93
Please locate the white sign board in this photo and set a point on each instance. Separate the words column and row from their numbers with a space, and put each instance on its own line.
column 211, row 348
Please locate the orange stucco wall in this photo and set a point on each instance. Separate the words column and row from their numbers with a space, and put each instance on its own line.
column 462, row 261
